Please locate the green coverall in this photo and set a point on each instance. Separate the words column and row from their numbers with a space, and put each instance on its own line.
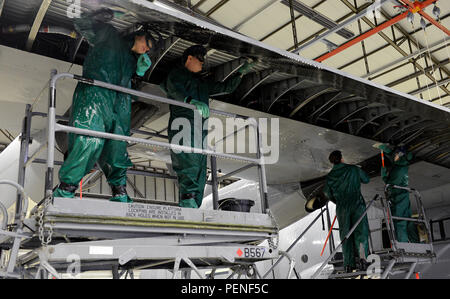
column 343, row 186
column 180, row 85
column 406, row 231
column 110, row 60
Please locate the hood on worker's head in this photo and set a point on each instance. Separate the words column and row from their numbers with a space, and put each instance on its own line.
column 152, row 43
column 405, row 157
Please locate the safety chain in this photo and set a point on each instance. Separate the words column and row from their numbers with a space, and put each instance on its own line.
column 40, row 218
column 274, row 241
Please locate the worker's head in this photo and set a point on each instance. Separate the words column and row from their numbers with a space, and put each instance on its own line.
column 336, row 157
column 194, row 58
column 399, row 151
column 143, row 43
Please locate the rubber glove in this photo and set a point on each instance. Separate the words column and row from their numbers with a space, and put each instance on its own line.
column 377, row 145
column 202, row 108
column 246, row 68
column 103, row 15
column 143, row 64
column 385, row 148
column 118, row 14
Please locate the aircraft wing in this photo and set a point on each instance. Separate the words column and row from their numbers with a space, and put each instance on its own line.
column 287, row 85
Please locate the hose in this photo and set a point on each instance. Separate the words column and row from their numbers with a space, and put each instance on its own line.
column 5, row 216
column 25, row 198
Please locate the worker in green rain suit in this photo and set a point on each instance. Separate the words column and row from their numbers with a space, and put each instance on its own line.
column 112, row 59
column 184, row 84
column 343, row 187
column 397, row 175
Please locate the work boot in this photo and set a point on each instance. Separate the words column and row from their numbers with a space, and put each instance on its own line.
column 120, row 194
column 363, row 265
column 188, row 201
column 65, row 190
column 349, row 269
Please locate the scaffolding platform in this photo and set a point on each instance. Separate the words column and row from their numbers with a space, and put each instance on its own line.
column 91, row 218
column 98, row 234
column 145, row 236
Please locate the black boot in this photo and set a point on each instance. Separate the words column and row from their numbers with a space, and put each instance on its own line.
column 188, row 201
column 363, row 265
column 65, row 190
column 349, row 269
column 120, row 194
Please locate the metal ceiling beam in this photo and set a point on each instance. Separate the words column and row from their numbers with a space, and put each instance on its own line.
column 415, row 41
column 417, row 74
column 256, row 13
column 423, row 50
column 198, row 4
column 341, row 25
column 364, row 56
column 434, row 60
column 294, row 27
column 325, row 29
column 426, row 16
column 440, row 99
column 373, row 31
column 288, row 23
column 394, row 45
column 216, row 7
column 37, row 23
column 318, row 17
column 399, row 41
column 434, row 84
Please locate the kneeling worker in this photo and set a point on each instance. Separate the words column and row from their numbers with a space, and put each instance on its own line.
column 184, row 84
column 343, row 186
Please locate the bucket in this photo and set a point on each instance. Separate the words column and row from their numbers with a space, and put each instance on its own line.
column 236, row 205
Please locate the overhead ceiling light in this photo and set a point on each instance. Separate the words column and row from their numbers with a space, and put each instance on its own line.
column 318, row 18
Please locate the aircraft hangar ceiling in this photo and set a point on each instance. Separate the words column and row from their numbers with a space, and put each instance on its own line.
column 411, row 56
column 270, row 21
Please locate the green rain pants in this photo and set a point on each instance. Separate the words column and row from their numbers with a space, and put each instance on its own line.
column 190, row 168
column 406, row 231
column 191, row 172
column 91, row 111
column 357, row 245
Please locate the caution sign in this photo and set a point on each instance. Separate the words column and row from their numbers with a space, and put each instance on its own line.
column 137, row 210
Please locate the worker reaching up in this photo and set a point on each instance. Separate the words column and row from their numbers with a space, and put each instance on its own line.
column 397, row 174
column 343, row 187
column 112, row 59
column 184, row 84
